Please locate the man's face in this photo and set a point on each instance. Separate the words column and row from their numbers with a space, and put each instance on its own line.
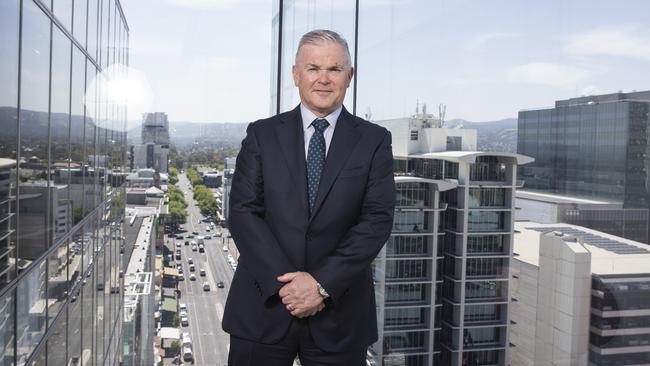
column 322, row 74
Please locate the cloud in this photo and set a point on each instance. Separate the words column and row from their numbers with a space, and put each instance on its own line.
column 591, row 90
column 626, row 41
column 547, row 73
column 481, row 39
column 214, row 4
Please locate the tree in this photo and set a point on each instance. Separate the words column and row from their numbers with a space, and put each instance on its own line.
column 176, row 347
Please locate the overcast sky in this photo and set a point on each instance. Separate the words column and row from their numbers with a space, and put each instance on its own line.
column 210, row 60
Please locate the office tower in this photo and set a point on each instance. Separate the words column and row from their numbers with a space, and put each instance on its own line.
column 580, row 297
column 592, row 147
column 60, row 220
column 442, row 279
column 153, row 152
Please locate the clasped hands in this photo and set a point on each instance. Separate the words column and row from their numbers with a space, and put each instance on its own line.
column 300, row 294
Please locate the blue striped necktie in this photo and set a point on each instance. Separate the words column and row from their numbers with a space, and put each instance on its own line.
column 315, row 159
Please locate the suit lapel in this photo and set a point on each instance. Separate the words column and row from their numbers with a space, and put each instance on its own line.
column 292, row 142
column 344, row 140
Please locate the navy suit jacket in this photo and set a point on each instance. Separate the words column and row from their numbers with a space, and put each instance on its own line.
column 275, row 233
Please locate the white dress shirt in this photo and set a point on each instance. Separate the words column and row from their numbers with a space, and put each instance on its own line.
column 308, row 117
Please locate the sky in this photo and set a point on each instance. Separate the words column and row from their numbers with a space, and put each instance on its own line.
column 210, row 60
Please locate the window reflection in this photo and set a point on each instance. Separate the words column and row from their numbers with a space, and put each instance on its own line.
column 57, row 345
column 34, row 191
column 9, row 29
column 57, row 280
column 7, row 336
column 30, row 312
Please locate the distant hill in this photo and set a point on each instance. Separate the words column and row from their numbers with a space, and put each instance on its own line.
column 184, row 134
column 498, row 135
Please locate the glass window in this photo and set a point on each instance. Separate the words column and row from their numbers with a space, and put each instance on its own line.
column 57, row 280
column 301, row 16
column 61, row 215
column 63, row 11
column 34, row 184
column 90, row 131
column 93, row 14
column 57, row 343
column 7, row 330
column 9, row 29
column 101, row 308
column 31, row 311
column 87, row 321
column 77, row 167
column 80, row 18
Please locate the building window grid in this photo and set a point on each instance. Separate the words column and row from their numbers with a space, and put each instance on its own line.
column 482, row 244
column 487, row 197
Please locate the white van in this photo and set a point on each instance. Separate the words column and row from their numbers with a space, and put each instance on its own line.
column 187, row 354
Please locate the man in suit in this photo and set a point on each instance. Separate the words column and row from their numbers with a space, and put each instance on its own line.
column 311, row 205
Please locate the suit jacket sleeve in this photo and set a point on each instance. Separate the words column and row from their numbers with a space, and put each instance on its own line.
column 363, row 241
column 263, row 257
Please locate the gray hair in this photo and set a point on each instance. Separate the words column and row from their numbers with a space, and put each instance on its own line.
column 319, row 36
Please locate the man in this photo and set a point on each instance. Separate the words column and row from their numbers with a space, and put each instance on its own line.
column 311, row 205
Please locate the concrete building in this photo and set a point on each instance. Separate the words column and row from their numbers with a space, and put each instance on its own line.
column 579, row 297
column 225, row 199
column 442, row 280
column 606, row 216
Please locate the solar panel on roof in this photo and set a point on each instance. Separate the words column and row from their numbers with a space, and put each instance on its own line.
column 597, row 241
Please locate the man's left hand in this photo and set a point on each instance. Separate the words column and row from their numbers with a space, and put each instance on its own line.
column 300, row 294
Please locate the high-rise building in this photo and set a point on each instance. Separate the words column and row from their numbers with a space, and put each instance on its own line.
column 442, row 280
column 580, row 297
column 60, row 223
column 593, row 147
column 153, row 152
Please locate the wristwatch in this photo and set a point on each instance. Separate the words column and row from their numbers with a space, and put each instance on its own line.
column 322, row 291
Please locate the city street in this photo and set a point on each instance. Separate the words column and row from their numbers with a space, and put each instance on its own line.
column 204, row 308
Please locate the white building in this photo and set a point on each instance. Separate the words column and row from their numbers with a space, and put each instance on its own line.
column 579, row 297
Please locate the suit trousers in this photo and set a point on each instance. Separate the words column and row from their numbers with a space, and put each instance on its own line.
column 297, row 342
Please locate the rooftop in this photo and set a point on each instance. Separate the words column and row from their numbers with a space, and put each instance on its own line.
column 470, row 156
column 558, row 198
column 610, row 254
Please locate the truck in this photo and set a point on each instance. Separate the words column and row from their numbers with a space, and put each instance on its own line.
column 200, row 239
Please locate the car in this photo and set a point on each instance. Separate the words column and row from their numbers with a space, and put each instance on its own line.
column 187, row 340
column 179, row 236
column 193, row 242
column 178, row 244
column 180, row 270
column 187, row 354
column 192, row 277
column 234, row 266
column 220, row 284
column 206, row 286
column 187, row 242
column 208, row 237
column 202, row 272
column 100, row 286
column 183, row 313
column 207, row 229
column 181, row 277
column 190, row 236
column 185, row 321
column 194, row 248
column 195, row 232
column 182, row 306
column 201, row 248
column 192, row 268
column 225, row 248
column 190, row 260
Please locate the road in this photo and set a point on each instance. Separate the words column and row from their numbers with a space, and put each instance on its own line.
column 205, row 308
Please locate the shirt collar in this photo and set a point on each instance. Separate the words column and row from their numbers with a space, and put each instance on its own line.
column 308, row 116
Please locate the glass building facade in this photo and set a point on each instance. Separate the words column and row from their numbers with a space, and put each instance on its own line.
column 61, row 209
column 595, row 147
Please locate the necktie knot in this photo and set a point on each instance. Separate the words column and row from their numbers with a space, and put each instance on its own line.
column 320, row 124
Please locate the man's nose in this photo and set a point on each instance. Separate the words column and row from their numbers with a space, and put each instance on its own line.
column 323, row 77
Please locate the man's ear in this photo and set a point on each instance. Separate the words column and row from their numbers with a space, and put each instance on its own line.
column 350, row 75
